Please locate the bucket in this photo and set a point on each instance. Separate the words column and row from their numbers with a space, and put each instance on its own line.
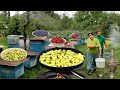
column 100, row 62
column 13, row 39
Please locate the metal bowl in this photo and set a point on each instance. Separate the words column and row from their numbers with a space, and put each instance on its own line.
column 9, row 49
column 60, row 68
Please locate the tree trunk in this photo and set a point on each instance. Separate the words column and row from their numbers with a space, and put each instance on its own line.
column 24, row 28
column 8, row 13
column 8, row 16
column 5, row 13
column 49, row 12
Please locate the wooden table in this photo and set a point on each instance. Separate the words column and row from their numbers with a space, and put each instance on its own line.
column 9, row 63
column 34, row 38
column 16, row 63
column 32, row 53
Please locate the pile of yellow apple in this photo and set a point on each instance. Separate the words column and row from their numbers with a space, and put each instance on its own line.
column 14, row 55
column 61, row 58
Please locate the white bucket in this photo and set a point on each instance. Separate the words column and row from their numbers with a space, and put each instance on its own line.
column 100, row 62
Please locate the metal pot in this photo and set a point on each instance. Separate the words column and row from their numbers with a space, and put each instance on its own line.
column 60, row 68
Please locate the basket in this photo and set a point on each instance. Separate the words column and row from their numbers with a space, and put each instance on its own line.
column 4, row 51
column 39, row 37
column 57, row 44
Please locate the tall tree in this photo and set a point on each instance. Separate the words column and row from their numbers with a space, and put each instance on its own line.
column 3, row 22
column 92, row 21
column 5, row 13
column 66, row 22
column 49, row 13
column 27, row 21
column 8, row 16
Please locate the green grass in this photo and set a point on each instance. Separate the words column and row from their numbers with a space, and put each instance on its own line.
column 105, row 71
column 4, row 42
column 34, row 71
column 117, row 58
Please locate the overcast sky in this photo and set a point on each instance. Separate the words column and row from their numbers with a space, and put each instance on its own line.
column 68, row 13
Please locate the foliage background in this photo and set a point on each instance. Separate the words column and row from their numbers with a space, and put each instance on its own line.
column 82, row 23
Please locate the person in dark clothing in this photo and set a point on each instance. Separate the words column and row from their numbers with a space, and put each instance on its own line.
column 102, row 41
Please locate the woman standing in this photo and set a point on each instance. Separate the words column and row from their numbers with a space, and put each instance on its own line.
column 93, row 51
